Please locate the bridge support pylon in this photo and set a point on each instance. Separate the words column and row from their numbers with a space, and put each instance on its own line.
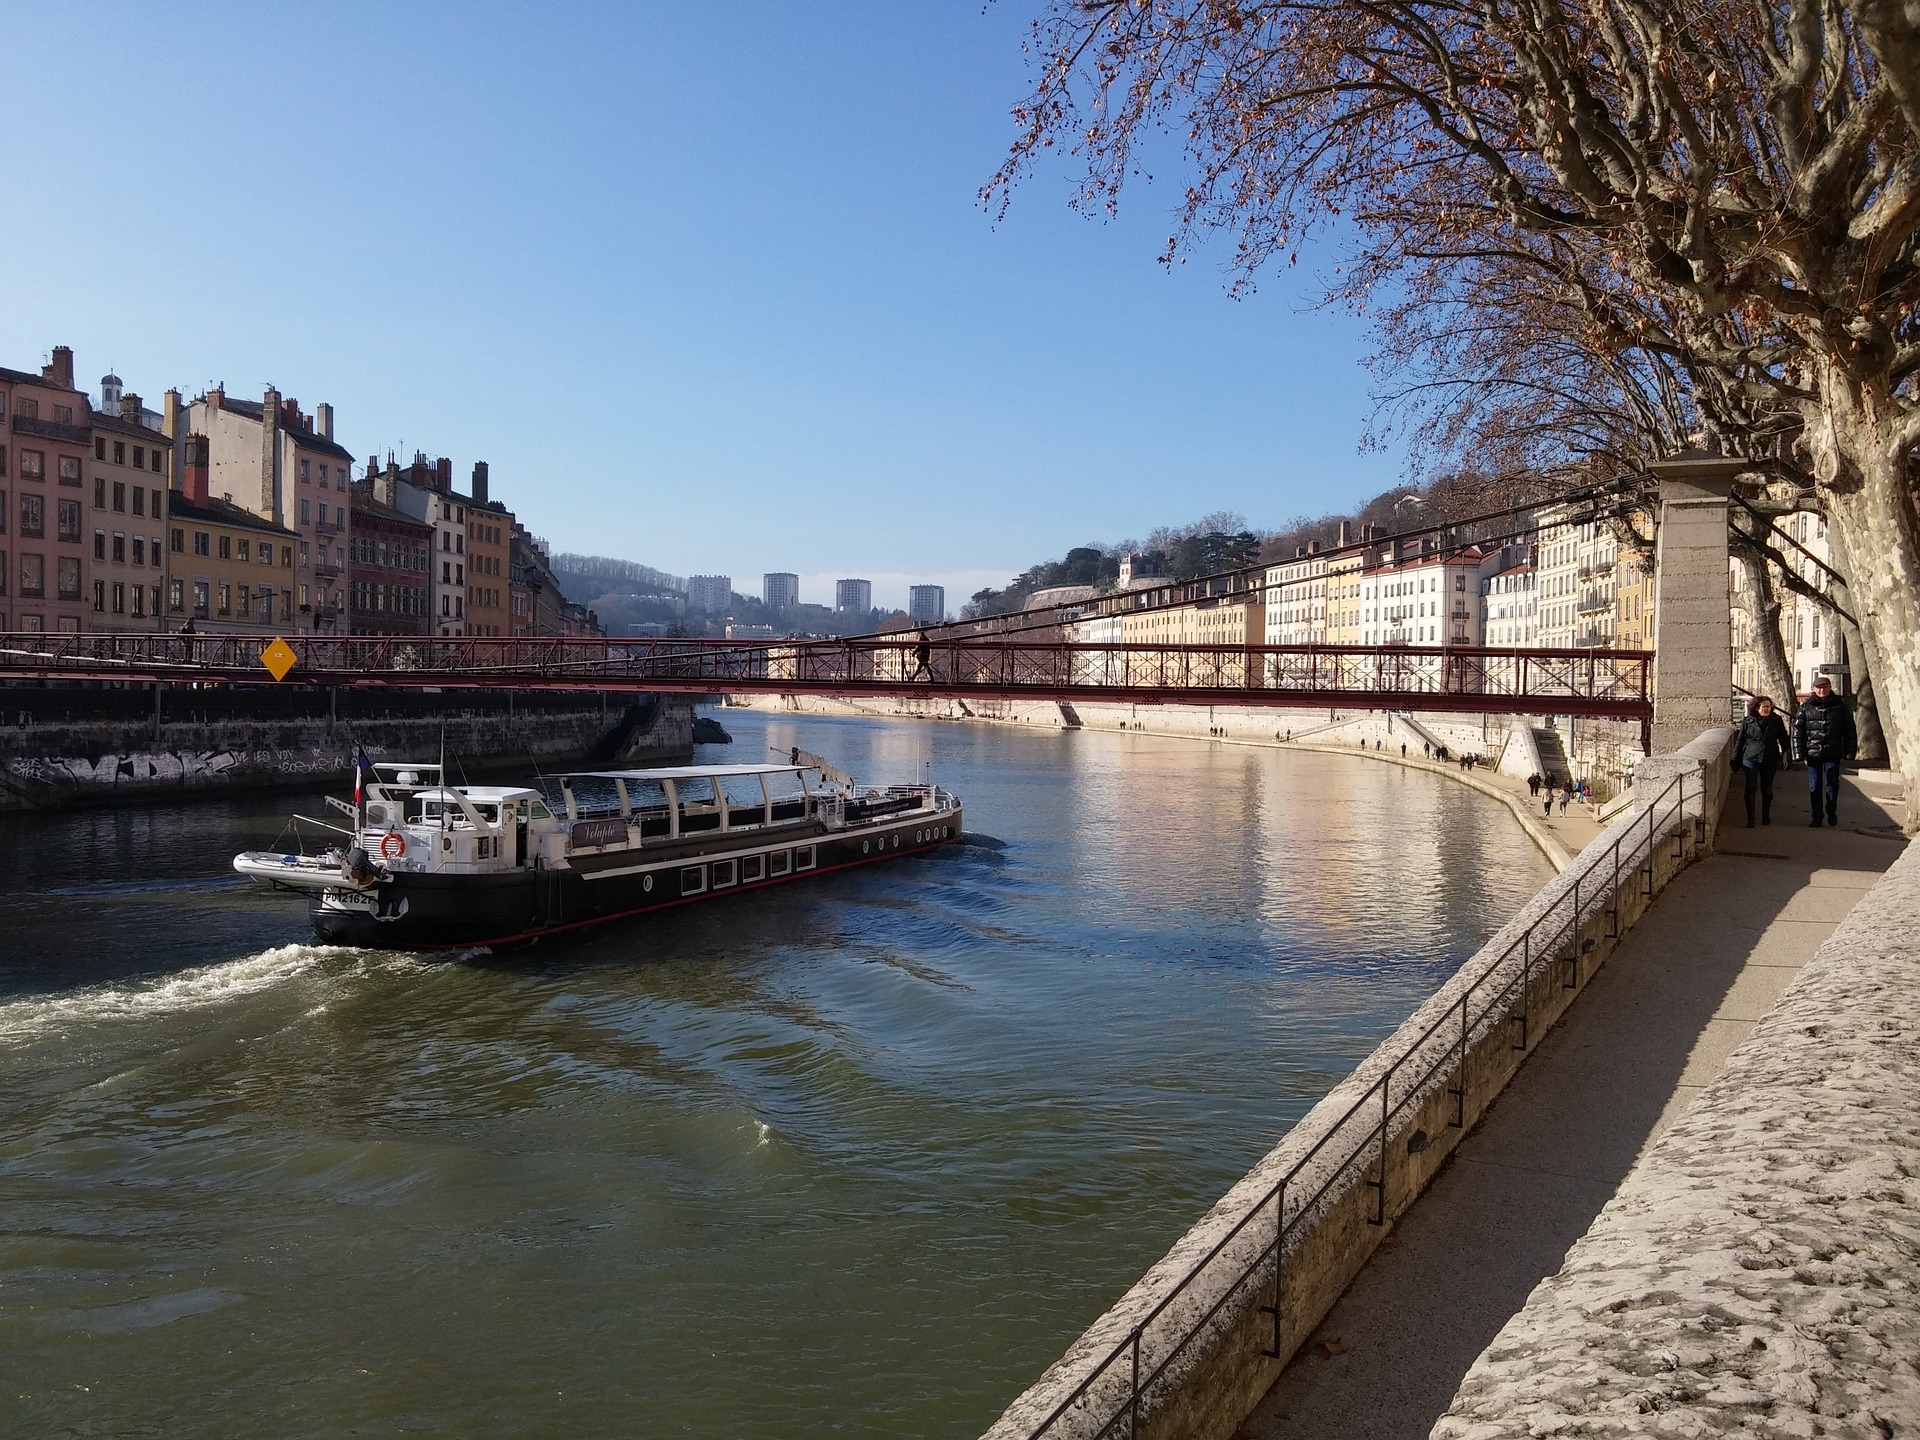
column 1692, row 624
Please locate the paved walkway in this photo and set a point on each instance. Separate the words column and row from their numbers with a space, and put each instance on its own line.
column 1654, row 1026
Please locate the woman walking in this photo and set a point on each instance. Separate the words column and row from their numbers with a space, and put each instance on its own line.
column 1758, row 748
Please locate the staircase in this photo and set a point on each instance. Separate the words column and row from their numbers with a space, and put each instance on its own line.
column 1553, row 755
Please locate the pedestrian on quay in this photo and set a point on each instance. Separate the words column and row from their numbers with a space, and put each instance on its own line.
column 1533, row 784
column 1547, row 805
column 1759, row 747
column 1824, row 735
column 1565, row 796
column 1403, row 749
column 1426, row 748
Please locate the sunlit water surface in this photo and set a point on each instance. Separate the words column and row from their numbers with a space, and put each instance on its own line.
column 856, row 1157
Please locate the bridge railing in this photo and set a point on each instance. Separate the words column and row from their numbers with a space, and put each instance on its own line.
column 1591, row 680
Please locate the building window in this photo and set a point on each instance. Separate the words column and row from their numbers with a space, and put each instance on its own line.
column 119, row 548
column 176, row 594
column 139, row 550
column 69, row 577
column 120, row 496
column 306, row 473
column 266, row 552
column 246, row 602
column 33, row 516
column 201, row 593
column 306, row 509
column 70, row 470
column 63, row 414
column 286, row 559
column 120, row 597
column 202, row 543
column 99, row 447
column 178, row 539
column 139, row 457
column 99, row 493
column 226, row 597
column 33, row 577
column 99, row 544
column 226, row 547
column 242, row 552
column 139, row 601
column 33, row 464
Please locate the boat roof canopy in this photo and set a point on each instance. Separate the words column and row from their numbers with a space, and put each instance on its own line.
column 683, row 772
column 483, row 794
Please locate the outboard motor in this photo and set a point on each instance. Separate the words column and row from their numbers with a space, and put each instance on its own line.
column 358, row 868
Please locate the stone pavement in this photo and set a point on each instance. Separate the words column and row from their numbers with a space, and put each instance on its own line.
column 1653, row 1027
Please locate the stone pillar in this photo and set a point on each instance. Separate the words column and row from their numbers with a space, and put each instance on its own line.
column 1692, row 626
column 270, row 459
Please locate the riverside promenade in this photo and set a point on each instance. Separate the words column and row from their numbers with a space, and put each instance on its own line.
column 1653, row 1030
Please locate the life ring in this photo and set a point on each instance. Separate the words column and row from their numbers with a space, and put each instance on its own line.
column 392, row 845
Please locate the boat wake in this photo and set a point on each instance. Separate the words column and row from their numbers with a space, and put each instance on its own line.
column 200, row 988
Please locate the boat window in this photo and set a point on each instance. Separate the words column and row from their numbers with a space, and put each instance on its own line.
column 489, row 813
column 539, row 811
column 779, row 863
column 699, row 805
column 693, row 880
column 746, row 804
column 722, row 873
column 803, row 858
column 752, row 867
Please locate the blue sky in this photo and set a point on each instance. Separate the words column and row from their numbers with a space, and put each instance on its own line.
column 708, row 287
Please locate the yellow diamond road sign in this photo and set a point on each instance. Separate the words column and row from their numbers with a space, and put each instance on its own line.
column 279, row 658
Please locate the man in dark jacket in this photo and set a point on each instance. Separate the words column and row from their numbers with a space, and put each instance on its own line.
column 1823, row 733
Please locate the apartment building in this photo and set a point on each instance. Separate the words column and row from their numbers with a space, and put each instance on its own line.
column 1416, row 595
column 853, row 596
column 780, row 589
column 1577, row 581
column 228, row 570
column 1296, row 600
column 1510, row 606
column 424, row 491
column 389, row 579
column 535, row 604
column 1344, row 574
column 43, row 453
column 712, row 594
column 129, row 475
column 1633, row 601
column 927, row 604
column 489, row 558
column 283, row 465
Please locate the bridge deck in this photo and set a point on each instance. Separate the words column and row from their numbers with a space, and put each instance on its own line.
column 1460, row 678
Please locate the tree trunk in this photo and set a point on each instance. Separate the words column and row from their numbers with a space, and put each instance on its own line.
column 1866, row 709
column 1762, row 603
column 1862, row 471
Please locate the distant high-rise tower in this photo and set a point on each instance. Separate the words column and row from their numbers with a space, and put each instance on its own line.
column 927, row 604
column 710, row 593
column 855, row 596
column 780, row 589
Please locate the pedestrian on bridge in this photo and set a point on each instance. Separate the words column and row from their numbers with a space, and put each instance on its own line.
column 1824, row 734
column 1759, row 747
column 922, row 658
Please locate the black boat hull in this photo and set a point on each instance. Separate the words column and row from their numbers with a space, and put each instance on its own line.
column 429, row 912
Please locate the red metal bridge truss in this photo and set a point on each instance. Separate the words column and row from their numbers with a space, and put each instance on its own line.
column 1588, row 682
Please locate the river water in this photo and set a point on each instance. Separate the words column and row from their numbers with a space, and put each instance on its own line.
column 855, row 1158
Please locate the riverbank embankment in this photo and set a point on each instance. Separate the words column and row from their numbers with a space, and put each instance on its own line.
column 62, row 746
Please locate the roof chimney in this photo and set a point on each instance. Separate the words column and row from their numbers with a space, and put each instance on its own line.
column 387, row 488
column 443, row 475
column 59, row 370
column 193, row 473
column 1346, row 532
column 479, row 482
column 323, row 416
column 270, row 455
column 170, row 415
column 1313, row 547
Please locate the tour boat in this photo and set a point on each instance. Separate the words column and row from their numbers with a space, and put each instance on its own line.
column 430, row 865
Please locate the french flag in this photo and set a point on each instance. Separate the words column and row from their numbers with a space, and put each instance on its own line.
column 361, row 765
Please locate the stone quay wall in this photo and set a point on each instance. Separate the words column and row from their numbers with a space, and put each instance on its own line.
column 1203, row 1318
column 64, row 747
column 1758, row 1273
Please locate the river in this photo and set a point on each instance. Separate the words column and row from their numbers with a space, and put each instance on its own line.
column 853, row 1158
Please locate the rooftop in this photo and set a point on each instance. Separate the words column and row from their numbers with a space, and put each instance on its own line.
column 221, row 512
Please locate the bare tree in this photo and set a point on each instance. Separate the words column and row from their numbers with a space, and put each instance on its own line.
column 1750, row 171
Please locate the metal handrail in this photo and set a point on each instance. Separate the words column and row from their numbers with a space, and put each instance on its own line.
column 1537, row 948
